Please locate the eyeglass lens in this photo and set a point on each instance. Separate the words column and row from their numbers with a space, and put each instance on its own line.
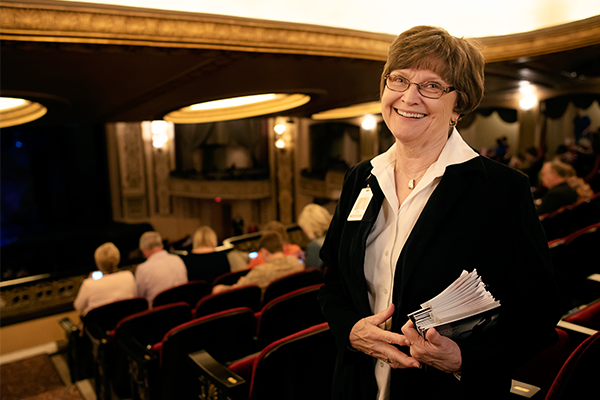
column 427, row 89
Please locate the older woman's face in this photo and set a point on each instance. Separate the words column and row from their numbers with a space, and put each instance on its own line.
column 413, row 118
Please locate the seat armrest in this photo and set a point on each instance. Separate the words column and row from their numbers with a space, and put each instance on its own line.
column 143, row 368
column 214, row 379
column 68, row 325
column 98, row 337
column 522, row 389
column 568, row 326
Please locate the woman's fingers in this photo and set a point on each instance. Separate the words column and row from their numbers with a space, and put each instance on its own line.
column 437, row 351
column 368, row 337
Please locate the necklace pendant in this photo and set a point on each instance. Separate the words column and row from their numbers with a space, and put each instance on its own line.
column 411, row 184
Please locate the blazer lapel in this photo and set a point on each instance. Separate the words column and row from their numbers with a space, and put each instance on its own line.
column 450, row 190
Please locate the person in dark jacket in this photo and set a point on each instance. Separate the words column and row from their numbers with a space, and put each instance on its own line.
column 408, row 223
column 554, row 176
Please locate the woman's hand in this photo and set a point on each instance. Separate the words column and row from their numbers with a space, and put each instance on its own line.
column 438, row 351
column 368, row 337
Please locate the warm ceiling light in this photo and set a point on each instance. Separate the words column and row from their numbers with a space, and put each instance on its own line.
column 236, row 108
column 233, row 102
column 19, row 111
column 357, row 110
column 528, row 95
column 369, row 122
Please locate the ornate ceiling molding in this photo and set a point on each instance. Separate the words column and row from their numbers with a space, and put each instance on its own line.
column 56, row 21
column 555, row 39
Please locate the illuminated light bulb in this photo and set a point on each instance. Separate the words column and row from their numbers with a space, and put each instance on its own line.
column 280, row 144
column 369, row 122
column 527, row 103
column 218, row 199
column 280, row 128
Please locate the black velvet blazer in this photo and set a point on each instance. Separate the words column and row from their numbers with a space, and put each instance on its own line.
column 480, row 216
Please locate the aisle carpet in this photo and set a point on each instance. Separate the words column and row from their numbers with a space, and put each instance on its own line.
column 34, row 378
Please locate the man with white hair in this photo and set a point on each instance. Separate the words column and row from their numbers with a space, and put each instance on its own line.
column 160, row 271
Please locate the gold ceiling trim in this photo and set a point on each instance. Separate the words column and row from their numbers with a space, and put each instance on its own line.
column 56, row 21
column 555, row 39
column 27, row 112
column 357, row 110
column 60, row 22
column 281, row 102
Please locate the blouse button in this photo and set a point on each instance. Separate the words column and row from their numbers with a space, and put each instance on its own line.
column 387, row 253
column 385, row 291
column 380, row 364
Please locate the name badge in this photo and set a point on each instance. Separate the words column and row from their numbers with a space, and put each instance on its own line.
column 362, row 202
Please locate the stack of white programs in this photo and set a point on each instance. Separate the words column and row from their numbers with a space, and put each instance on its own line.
column 463, row 309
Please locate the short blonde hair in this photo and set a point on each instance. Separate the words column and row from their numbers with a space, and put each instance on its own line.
column 314, row 220
column 205, row 236
column 107, row 257
column 150, row 240
column 456, row 60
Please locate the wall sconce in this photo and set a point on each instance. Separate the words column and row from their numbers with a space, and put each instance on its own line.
column 283, row 137
column 528, row 95
column 160, row 135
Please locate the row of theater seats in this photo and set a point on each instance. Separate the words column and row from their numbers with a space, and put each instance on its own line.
column 575, row 258
column 569, row 369
column 571, row 218
column 142, row 353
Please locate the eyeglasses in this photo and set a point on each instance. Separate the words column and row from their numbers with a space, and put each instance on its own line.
column 429, row 89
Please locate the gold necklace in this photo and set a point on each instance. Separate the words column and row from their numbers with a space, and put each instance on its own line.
column 411, row 181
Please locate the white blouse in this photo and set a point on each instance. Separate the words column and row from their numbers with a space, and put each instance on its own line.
column 393, row 226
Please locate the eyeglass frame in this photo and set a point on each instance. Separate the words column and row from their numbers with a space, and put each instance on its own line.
column 447, row 89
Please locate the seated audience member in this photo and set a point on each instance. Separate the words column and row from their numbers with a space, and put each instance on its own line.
column 554, row 176
column 160, row 271
column 110, row 286
column 204, row 263
column 532, row 164
column 276, row 264
column 288, row 248
column 314, row 221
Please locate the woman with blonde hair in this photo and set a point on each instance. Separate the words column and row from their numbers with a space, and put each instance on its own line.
column 314, row 221
column 204, row 263
column 106, row 285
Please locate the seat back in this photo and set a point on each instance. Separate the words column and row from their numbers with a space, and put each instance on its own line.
column 242, row 296
column 150, row 326
column 542, row 369
column 581, row 248
column 569, row 219
column 588, row 316
column 190, row 293
column 291, row 282
column 107, row 316
column 227, row 336
column 229, row 278
column 297, row 367
column 147, row 327
column 289, row 314
column 578, row 377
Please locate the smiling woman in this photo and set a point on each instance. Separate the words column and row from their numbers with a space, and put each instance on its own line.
column 411, row 219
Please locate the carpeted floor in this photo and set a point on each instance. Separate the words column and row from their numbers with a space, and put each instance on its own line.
column 34, row 378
